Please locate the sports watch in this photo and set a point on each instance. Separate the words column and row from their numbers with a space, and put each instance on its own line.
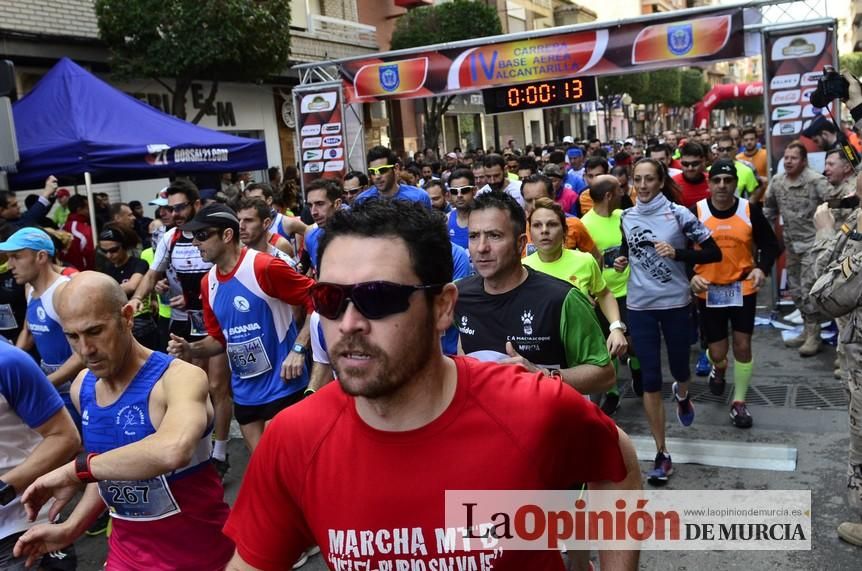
column 297, row 348
column 617, row 325
column 7, row 493
column 82, row 467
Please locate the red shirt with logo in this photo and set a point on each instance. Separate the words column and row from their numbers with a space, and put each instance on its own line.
column 374, row 500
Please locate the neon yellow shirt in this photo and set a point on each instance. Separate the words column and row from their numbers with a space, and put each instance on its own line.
column 164, row 309
column 607, row 233
column 578, row 268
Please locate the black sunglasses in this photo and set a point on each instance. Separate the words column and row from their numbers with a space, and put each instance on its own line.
column 725, row 149
column 203, row 234
column 690, row 164
column 374, row 300
column 459, row 190
column 178, row 207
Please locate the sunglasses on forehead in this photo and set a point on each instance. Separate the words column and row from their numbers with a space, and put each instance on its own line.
column 374, row 300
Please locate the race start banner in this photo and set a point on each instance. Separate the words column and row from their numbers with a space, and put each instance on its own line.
column 320, row 131
column 794, row 60
column 616, row 48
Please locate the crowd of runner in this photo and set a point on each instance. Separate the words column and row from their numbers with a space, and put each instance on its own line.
column 573, row 260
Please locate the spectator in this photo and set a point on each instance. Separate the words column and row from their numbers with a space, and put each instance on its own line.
column 61, row 210
column 82, row 251
column 142, row 223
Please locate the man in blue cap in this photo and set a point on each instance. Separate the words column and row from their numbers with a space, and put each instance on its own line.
column 30, row 251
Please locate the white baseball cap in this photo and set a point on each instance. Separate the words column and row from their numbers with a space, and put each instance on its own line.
column 568, row 139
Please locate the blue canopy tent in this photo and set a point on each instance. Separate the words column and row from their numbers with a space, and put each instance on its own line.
column 73, row 123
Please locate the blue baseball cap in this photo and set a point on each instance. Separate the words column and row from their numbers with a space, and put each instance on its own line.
column 574, row 152
column 28, row 239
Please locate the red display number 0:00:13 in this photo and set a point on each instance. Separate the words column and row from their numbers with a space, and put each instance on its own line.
column 543, row 93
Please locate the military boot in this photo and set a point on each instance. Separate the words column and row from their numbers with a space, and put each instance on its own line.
column 811, row 345
column 851, row 532
column 796, row 342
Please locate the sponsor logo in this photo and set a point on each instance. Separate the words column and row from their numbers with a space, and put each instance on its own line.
column 680, row 39
column 85, row 417
column 787, row 128
column 389, row 76
column 312, row 155
column 333, row 166
column 318, row 102
column 240, row 329
column 332, row 141
column 310, row 130
column 811, row 78
column 810, row 111
column 331, row 128
column 798, row 46
column 784, row 81
column 334, row 153
column 241, row 304
column 311, row 143
column 785, row 97
column 464, row 328
column 40, row 313
column 789, row 112
column 313, row 167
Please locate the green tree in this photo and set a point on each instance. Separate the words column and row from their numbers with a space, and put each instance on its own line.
column 186, row 40
column 692, row 87
column 448, row 22
column 852, row 62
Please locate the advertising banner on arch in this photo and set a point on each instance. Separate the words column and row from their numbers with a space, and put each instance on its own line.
column 617, row 48
column 794, row 60
column 320, row 132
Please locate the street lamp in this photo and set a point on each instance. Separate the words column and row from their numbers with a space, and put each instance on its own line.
column 626, row 100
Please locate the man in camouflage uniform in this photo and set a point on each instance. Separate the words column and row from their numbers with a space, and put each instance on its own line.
column 841, row 176
column 795, row 194
column 838, row 293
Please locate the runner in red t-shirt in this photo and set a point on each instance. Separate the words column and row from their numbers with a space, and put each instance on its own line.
column 692, row 180
column 361, row 468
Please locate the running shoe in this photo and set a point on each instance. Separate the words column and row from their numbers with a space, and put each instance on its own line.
column 703, row 365
column 662, row 471
column 221, row 466
column 684, row 408
column 99, row 526
column 717, row 382
column 739, row 415
column 611, row 403
column 637, row 382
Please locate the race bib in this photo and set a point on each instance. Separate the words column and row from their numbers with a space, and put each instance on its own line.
column 7, row 318
column 196, row 321
column 248, row 359
column 139, row 500
column 729, row 295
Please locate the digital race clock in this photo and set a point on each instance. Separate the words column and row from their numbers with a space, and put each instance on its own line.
column 553, row 93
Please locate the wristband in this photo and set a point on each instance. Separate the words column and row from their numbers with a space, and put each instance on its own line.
column 856, row 112
column 82, row 467
column 308, row 392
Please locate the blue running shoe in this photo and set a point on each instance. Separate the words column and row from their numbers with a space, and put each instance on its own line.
column 662, row 471
column 703, row 366
column 684, row 408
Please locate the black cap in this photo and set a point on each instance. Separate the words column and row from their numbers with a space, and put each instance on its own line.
column 213, row 216
column 818, row 125
column 723, row 166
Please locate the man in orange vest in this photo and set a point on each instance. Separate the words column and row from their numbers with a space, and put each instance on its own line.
column 727, row 290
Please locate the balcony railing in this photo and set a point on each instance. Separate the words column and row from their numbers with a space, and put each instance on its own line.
column 342, row 31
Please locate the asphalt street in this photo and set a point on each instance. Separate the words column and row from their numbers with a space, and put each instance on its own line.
column 794, row 402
